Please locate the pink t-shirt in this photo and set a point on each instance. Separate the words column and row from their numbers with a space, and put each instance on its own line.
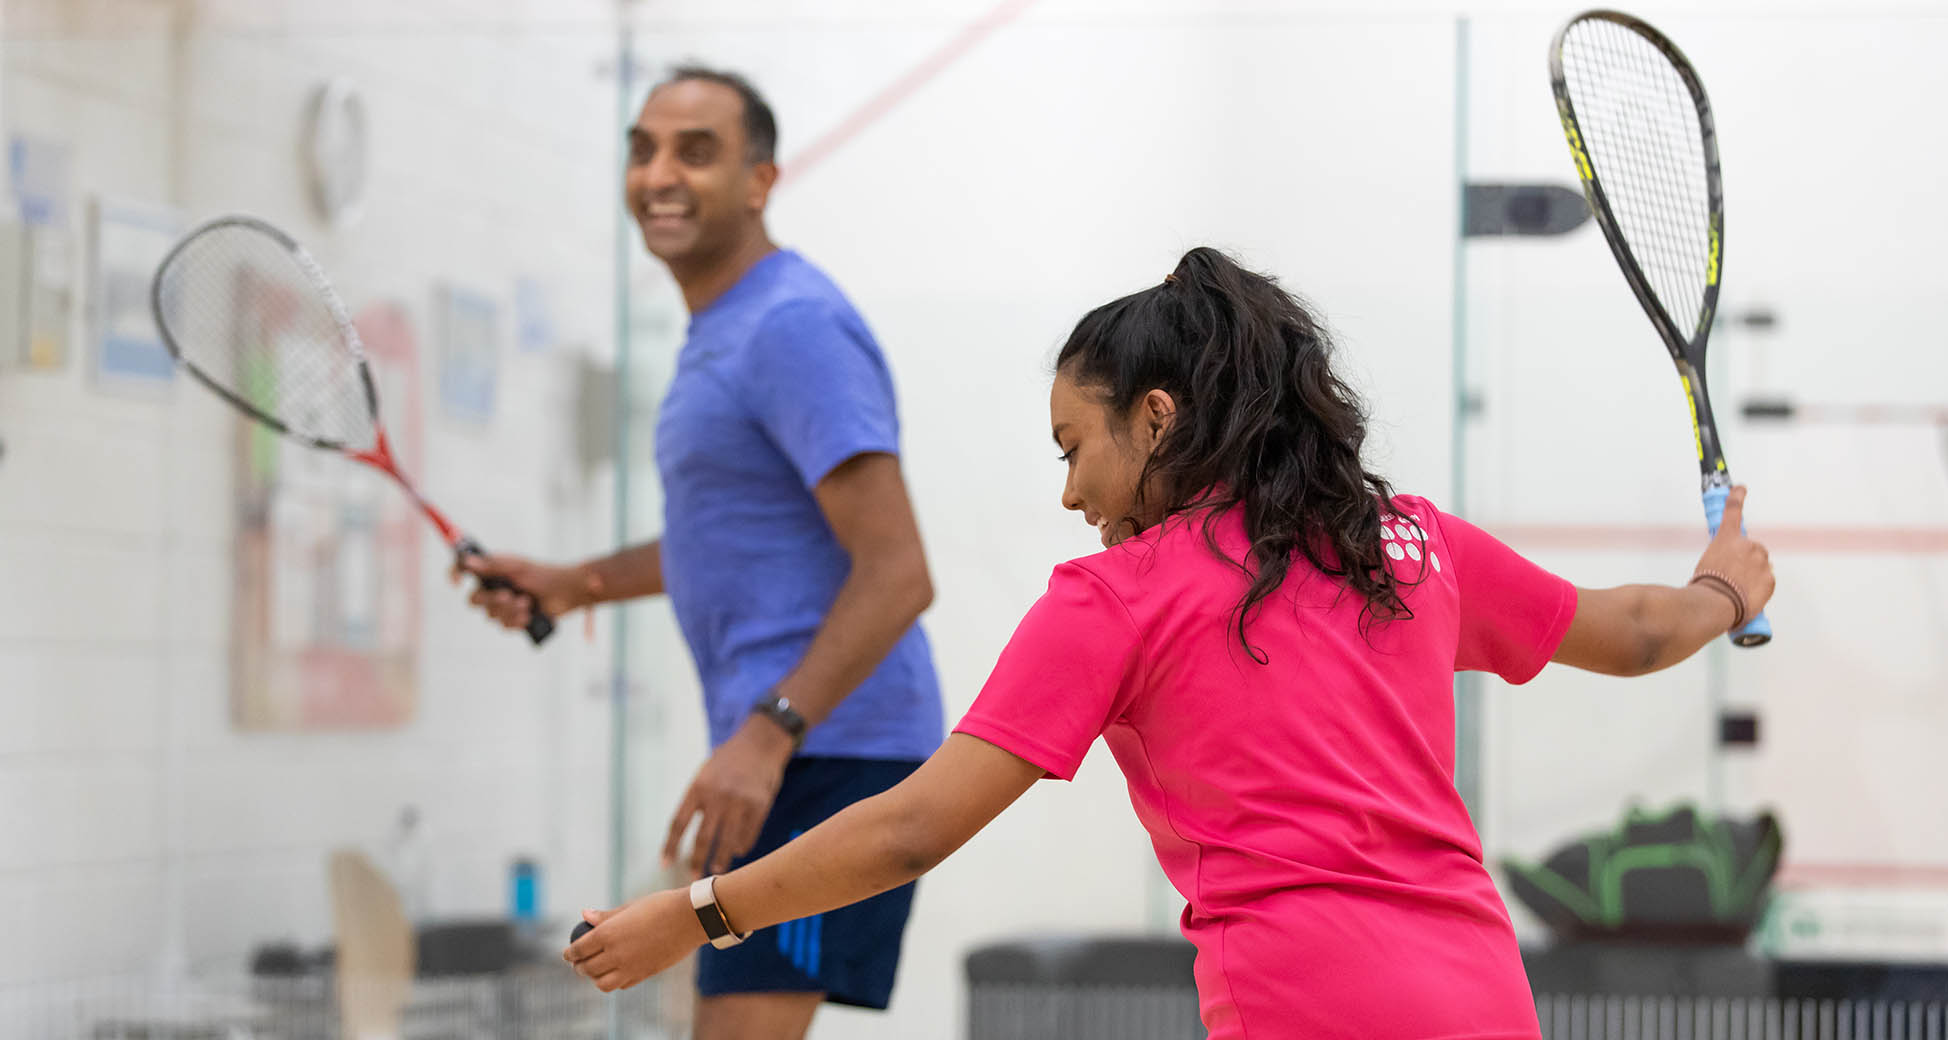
column 1305, row 807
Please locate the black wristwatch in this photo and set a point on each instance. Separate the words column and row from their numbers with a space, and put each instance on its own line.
column 779, row 710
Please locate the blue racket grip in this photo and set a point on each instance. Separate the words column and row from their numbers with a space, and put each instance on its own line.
column 1757, row 630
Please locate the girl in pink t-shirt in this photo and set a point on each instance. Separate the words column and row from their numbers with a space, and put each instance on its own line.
column 1267, row 645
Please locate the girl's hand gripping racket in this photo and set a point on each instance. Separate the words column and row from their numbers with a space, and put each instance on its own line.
column 1641, row 133
column 307, row 378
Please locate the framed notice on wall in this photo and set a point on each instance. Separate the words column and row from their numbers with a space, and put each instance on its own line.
column 36, row 279
column 328, row 555
column 13, row 295
column 127, row 241
column 469, row 324
column 40, row 171
column 534, row 319
column 49, row 297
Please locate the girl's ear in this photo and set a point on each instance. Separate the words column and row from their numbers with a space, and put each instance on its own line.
column 1160, row 409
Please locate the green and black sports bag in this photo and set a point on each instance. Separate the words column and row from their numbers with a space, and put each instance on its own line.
column 1671, row 876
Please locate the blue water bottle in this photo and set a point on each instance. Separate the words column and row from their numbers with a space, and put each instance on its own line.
column 524, row 892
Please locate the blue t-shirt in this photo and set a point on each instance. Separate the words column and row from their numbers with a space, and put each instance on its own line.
column 778, row 383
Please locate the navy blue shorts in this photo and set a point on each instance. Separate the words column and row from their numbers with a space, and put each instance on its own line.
column 849, row 954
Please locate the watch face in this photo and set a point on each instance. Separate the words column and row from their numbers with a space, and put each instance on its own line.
column 780, row 710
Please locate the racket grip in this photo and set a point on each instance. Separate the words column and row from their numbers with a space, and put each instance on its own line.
column 581, row 928
column 540, row 626
column 1757, row 630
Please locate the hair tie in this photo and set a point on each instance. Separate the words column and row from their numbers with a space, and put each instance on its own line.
column 1170, row 279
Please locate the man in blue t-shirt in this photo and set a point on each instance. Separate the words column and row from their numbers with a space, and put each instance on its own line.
column 789, row 552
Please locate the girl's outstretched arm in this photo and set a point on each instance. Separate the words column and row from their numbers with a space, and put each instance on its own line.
column 870, row 847
column 1638, row 629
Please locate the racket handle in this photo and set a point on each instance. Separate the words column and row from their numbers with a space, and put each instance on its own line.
column 1757, row 630
column 540, row 626
column 581, row 928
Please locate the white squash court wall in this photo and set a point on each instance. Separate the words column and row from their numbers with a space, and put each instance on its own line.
column 1076, row 152
column 139, row 832
column 1066, row 158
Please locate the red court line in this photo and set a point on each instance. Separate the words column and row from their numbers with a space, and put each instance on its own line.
column 1863, row 541
column 900, row 89
column 1920, row 875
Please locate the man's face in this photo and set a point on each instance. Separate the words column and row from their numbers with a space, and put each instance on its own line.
column 689, row 183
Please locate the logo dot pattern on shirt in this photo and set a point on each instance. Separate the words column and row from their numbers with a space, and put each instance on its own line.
column 1404, row 538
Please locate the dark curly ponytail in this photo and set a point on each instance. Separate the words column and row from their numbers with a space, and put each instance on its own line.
column 1262, row 420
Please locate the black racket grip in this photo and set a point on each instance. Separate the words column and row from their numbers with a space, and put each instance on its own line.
column 540, row 626
column 581, row 928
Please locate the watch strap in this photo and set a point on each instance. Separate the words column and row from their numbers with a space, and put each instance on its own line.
column 779, row 710
column 703, row 899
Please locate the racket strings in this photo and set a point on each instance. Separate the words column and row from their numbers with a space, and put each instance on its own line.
column 1642, row 134
column 251, row 317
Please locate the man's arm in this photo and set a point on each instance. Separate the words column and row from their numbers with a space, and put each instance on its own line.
column 865, row 502
column 626, row 574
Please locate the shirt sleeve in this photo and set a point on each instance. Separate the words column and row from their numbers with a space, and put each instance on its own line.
column 820, row 389
column 1513, row 613
column 1072, row 668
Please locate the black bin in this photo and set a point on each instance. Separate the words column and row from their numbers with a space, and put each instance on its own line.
column 1083, row 988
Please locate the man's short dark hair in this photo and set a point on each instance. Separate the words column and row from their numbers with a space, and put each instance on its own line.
column 760, row 127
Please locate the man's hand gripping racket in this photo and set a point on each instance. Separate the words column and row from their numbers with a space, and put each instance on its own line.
column 250, row 314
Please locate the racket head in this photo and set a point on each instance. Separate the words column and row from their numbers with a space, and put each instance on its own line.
column 249, row 313
column 1640, row 129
